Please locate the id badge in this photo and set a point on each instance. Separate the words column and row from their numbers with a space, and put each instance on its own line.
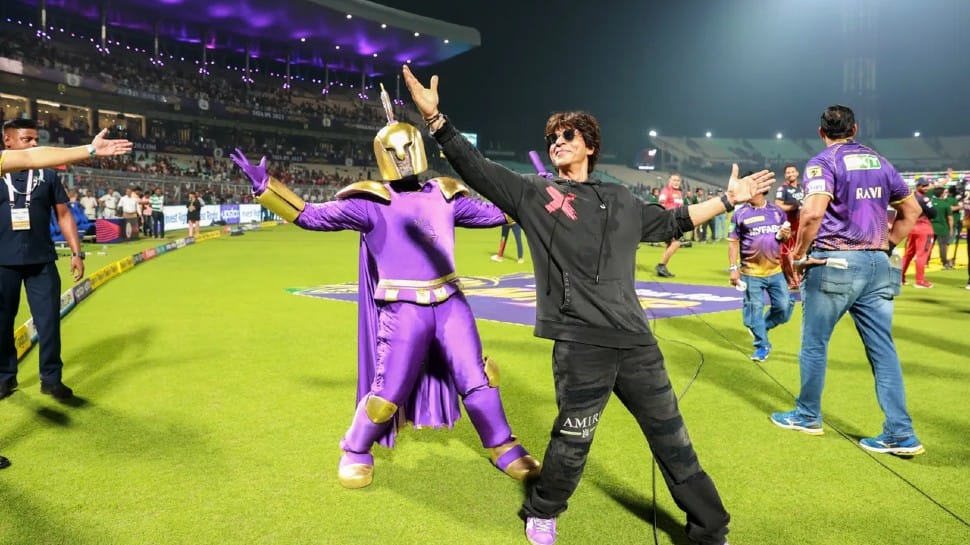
column 20, row 217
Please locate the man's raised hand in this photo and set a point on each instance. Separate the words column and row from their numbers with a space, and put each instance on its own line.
column 106, row 147
column 424, row 98
column 741, row 190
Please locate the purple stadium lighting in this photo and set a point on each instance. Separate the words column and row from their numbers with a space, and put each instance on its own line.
column 262, row 24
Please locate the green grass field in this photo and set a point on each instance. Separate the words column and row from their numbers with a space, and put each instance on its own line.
column 211, row 401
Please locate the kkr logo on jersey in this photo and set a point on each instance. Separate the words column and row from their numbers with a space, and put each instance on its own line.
column 425, row 228
column 512, row 298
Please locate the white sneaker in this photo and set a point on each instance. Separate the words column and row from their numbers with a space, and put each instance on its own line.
column 497, row 257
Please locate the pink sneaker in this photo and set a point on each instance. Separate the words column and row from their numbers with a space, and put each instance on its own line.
column 540, row 531
column 924, row 284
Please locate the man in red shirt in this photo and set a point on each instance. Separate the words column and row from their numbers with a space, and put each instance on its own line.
column 920, row 240
column 789, row 198
column 670, row 197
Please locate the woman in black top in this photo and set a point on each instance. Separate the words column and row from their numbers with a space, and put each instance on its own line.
column 195, row 213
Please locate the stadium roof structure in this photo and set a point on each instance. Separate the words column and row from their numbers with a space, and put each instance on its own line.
column 342, row 34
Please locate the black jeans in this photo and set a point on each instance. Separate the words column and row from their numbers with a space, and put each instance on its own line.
column 585, row 375
column 158, row 218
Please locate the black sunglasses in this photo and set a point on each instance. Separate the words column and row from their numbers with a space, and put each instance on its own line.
column 567, row 134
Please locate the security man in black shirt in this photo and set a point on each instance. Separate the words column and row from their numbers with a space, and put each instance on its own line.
column 27, row 258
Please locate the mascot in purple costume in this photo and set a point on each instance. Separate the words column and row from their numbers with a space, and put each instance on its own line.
column 418, row 346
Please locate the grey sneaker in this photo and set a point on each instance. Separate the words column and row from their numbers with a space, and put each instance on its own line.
column 663, row 272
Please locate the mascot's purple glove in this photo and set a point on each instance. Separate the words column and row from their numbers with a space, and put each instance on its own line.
column 256, row 173
column 540, row 166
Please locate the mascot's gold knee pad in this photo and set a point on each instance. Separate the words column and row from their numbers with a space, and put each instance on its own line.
column 379, row 410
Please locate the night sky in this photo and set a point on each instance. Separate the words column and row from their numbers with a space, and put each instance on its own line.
column 739, row 68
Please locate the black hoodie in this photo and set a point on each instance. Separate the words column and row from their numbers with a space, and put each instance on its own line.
column 583, row 237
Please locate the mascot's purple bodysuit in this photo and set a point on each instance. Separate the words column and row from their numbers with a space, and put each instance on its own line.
column 418, row 346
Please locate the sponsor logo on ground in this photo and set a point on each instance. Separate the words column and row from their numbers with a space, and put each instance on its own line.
column 512, row 299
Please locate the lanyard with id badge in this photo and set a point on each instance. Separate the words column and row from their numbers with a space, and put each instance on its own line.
column 20, row 217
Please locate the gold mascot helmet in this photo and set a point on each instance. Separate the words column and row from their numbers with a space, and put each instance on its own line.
column 398, row 147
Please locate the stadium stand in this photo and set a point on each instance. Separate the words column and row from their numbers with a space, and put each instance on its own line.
column 956, row 149
column 184, row 117
column 707, row 159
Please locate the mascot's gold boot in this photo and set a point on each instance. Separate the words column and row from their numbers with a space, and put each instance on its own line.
column 356, row 470
column 515, row 461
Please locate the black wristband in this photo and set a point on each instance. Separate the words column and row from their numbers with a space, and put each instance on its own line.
column 428, row 121
column 727, row 203
column 78, row 254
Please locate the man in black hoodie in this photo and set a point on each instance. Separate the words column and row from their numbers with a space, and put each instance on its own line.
column 584, row 236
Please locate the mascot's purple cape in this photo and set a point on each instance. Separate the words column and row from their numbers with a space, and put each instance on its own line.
column 433, row 402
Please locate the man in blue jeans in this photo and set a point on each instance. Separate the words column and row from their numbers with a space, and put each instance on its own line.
column 843, row 250
column 516, row 231
column 754, row 253
column 720, row 221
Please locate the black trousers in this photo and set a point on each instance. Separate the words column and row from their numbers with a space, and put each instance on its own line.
column 585, row 375
column 159, row 219
column 43, row 288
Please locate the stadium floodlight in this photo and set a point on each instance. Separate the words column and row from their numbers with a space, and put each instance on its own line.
column 446, row 40
column 416, row 34
column 303, row 40
column 383, row 25
column 707, row 134
column 916, row 134
column 779, row 136
column 652, row 133
column 349, row 16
